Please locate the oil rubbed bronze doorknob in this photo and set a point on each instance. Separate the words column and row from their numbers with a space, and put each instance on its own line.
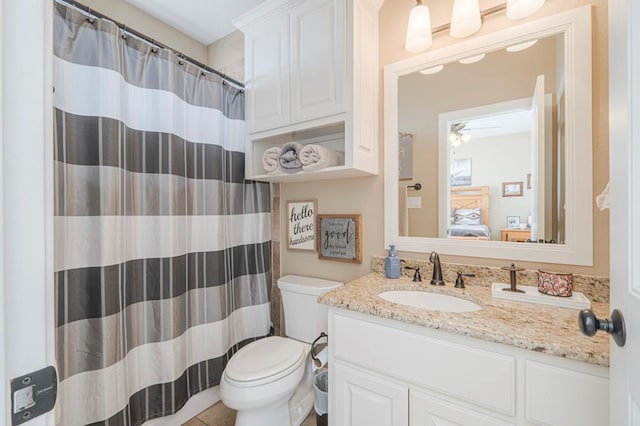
column 590, row 324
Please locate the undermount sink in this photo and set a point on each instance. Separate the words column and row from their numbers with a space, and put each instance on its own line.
column 430, row 301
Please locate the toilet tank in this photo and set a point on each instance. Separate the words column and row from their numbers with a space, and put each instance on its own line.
column 304, row 317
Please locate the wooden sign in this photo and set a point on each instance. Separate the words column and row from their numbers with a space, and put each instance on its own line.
column 301, row 229
column 339, row 237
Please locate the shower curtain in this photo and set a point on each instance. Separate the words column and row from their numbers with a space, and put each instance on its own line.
column 162, row 249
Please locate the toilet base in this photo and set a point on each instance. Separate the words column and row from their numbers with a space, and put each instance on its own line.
column 301, row 404
column 274, row 416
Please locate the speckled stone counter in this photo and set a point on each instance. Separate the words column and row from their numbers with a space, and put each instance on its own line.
column 535, row 327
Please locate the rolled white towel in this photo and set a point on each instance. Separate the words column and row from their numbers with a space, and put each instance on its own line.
column 316, row 157
column 271, row 159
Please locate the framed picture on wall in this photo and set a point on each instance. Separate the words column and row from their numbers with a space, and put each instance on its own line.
column 340, row 237
column 301, row 225
column 512, row 189
column 405, row 159
column 461, row 172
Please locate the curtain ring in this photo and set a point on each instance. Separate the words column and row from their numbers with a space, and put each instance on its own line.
column 89, row 17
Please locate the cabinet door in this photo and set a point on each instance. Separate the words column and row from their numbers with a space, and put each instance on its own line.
column 267, row 74
column 362, row 399
column 426, row 410
column 562, row 396
column 317, row 59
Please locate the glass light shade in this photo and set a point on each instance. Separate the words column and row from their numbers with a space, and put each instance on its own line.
column 465, row 137
column 473, row 59
column 521, row 46
column 432, row 70
column 518, row 9
column 418, row 30
column 465, row 18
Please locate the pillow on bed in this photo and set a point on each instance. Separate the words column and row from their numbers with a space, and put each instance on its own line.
column 468, row 217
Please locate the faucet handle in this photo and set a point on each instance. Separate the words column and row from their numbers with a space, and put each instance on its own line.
column 416, row 276
column 460, row 281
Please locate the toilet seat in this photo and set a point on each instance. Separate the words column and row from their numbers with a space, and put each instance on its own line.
column 265, row 361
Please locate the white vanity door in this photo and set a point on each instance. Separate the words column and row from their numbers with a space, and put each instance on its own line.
column 363, row 399
column 426, row 410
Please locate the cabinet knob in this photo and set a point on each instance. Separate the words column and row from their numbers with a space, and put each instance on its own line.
column 590, row 324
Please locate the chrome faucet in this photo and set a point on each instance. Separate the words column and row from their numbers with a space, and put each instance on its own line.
column 437, row 271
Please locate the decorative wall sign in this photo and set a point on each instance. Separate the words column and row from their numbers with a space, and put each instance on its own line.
column 301, row 225
column 340, row 237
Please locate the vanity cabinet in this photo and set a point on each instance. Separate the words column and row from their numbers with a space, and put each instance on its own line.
column 386, row 372
column 311, row 76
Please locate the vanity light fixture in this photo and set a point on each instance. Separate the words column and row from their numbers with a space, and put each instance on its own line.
column 466, row 20
column 518, row 9
column 419, row 29
column 473, row 59
column 521, row 46
column 432, row 70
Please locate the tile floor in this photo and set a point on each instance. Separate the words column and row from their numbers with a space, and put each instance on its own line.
column 220, row 415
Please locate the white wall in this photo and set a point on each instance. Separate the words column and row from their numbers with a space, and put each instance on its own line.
column 495, row 160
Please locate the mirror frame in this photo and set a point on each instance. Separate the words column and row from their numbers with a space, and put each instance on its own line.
column 575, row 24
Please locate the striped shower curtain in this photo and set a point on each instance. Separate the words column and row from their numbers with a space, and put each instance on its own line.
column 162, row 249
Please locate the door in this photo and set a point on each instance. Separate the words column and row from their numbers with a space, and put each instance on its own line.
column 362, row 399
column 267, row 74
column 317, row 59
column 624, row 143
column 26, row 194
column 537, row 161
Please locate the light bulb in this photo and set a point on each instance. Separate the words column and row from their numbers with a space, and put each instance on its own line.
column 518, row 9
column 465, row 137
column 465, row 19
column 419, row 29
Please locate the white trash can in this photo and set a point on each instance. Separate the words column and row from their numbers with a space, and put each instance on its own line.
column 321, row 391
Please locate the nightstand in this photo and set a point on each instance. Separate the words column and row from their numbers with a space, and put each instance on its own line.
column 515, row 234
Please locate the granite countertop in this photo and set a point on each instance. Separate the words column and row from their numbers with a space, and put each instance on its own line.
column 535, row 327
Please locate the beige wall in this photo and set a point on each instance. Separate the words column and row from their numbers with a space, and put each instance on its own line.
column 140, row 21
column 227, row 55
column 365, row 195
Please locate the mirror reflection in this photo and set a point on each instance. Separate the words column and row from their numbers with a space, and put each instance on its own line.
column 484, row 137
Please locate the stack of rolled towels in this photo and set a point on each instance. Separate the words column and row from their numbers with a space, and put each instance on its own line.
column 293, row 157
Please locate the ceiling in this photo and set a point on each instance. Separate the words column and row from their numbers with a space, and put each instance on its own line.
column 499, row 124
column 203, row 20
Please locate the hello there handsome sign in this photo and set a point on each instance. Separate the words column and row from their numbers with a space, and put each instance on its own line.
column 301, row 231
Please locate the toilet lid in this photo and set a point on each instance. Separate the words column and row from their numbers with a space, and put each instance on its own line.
column 265, row 360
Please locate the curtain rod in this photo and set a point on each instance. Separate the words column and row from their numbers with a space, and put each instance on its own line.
column 123, row 27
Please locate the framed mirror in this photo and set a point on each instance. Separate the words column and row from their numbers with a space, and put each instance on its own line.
column 500, row 131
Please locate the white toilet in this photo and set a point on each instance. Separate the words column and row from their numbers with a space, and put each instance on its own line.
column 269, row 381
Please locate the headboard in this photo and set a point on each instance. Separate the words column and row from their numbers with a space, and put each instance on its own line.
column 471, row 198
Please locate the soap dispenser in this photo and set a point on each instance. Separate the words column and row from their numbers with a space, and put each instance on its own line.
column 392, row 264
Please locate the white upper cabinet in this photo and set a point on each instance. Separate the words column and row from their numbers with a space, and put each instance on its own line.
column 317, row 59
column 267, row 68
column 311, row 76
